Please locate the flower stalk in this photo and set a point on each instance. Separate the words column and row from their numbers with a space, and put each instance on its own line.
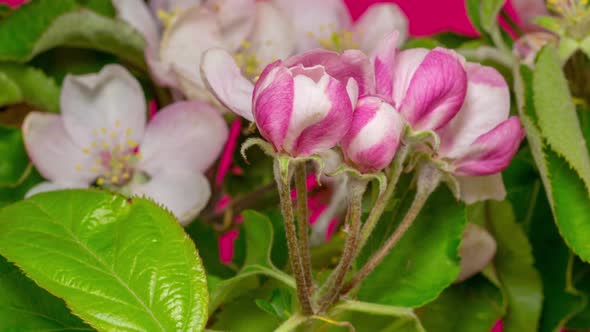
column 284, row 186
column 428, row 179
column 335, row 281
column 303, row 223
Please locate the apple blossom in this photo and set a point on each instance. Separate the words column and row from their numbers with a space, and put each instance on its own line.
column 374, row 135
column 426, row 86
column 481, row 140
column 302, row 106
column 101, row 138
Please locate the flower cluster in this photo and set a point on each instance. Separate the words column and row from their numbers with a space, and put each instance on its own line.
column 317, row 100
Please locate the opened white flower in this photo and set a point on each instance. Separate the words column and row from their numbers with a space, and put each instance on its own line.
column 255, row 33
column 101, row 138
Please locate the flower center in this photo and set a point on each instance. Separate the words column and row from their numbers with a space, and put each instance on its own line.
column 334, row 40
column 575, row 16
column 248, row 61
column 115, row 155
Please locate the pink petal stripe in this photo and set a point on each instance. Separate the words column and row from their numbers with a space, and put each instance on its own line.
column 228, row 152
column 152, row 109
column 226, row 246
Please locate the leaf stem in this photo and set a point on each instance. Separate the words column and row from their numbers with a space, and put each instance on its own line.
column 335, row 281
column 303, row 223
column 428, row 180
column 283, row 183
column 382, row 200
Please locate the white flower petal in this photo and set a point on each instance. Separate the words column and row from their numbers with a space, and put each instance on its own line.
column 185, row 136
column 53, row 186
column 138, row 15
column 379, row 21
column 184, row 193
column 226, row 82
column 236, row 19
column 315, row 19
column 172, row 5
column 477, row 250
column 481, row 188
column 406, row 64
column 53, row 152
column 191, row 33
column 273, row 37
column 96, row 107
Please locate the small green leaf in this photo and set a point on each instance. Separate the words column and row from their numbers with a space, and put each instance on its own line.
column 259, row 238
column 25, row 306
column 556, row 112
column 488, row 13
column 66, row 23
column 14, row 165
column 473, row 7
column 426, row 259
column 243, row 315
column 24, row 84
column 471, row 306
column 119, row 264
column 513, row 264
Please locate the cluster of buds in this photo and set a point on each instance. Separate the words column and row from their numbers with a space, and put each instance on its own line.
column 318, row 100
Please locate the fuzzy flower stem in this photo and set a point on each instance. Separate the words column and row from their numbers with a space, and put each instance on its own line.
column 303, row 223
column 382, row 200
column 428, row 180
column 284, row 187
column 335, row 281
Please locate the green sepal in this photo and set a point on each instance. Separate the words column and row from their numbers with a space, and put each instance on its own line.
column 262, row 144
column 428, row 137
column 351, row 171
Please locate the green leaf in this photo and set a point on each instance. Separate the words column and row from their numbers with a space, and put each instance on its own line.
column 66, row 23
column 24, row 84
column 206, row 240
column 243, row 315
column 471, row 306
column 488, row 13
column 556, row 112
column 513, row 265
column 370, row 317
column 259, row 241
column 25, row 306
column 119, row 264
column 11, row 194
column 425, row 261
column 473, row 7
column 14, row 165
column 581, row 280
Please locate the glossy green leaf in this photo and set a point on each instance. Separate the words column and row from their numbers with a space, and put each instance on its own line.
column 25, row 306
column 556, row 113
column 259, row 241
column 426, row 259
column 14, row 165
column 120, row 264
column 471, row 306
column 66, row 23
column 24, row 84
column 514, row 266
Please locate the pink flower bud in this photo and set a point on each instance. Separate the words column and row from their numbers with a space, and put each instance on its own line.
column 302, row 109
column 374, row 135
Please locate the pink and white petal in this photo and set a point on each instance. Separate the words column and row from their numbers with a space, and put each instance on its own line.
column 481, row 188
column 96, row 107
column 172, row 5
column 477, row 250
column 53, row 186
column 322, row 116
column 315, row 20
column 187, row 136
column 224, row 79
column 406, row 64
column 273, row 103
column 492, row 152
column 436, row 92
column 138, row 15
column 236, row 19
column 380, row 20
column 182, row 192
column 350, row 64
column 53, row 152
column 161, row 73
column 383, row 59
column 486, row 105
column 273, row 36
column 182, row 49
